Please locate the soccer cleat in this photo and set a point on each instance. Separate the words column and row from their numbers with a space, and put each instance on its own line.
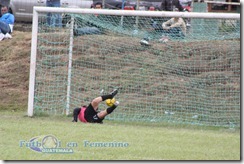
column 144, row 42
column 1, row 36
column 114, row 92
column 7, row 36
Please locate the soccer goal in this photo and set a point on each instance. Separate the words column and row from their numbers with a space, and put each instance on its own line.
column 194, row 79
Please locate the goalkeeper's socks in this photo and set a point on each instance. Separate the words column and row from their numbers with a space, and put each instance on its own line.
column 105, row 97
column 109, row 96
column 111, row 109
column 114, row 92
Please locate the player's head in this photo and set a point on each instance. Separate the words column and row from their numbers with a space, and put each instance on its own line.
column 76, row 112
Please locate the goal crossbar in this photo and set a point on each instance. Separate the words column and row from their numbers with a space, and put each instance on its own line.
column 138, row 13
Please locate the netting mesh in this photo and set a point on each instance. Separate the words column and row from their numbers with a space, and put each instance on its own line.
column 194, row 80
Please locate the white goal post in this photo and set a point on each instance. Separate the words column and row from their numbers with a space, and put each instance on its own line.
column 38, row 10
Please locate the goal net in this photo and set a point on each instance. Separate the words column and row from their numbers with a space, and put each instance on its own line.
column 194, row 79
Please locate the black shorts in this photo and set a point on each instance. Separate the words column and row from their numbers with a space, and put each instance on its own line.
column 91, row 115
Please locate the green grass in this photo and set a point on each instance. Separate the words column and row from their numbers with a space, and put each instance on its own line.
column 146, row 141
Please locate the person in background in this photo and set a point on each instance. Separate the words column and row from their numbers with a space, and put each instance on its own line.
column 169, row 5
column 186, row 5
column 91, row 28
column 166, row 5
column 98, row 5
column 174, row 28
column 54, row 20
column 4, row 3
column 6, row 23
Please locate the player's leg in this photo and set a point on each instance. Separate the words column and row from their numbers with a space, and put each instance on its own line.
column 91, row 110
column 104, row 113
column 93, row 116
column 95, row 102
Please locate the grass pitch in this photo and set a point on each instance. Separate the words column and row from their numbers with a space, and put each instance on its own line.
column 143, row 141
column 147, row 141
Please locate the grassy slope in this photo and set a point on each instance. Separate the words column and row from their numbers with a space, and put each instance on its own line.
column 14, row 70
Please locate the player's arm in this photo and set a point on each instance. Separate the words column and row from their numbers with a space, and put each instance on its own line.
column 166, row 24
column 176, row 24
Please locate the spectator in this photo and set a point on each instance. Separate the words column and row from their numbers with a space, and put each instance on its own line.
column 169, row 5
column 6, row 23
column 186, row 5
column 54, row 20
column 173, row 28
column 98, row 5
column 90, row 28
column 4, row 3
column 166, row 5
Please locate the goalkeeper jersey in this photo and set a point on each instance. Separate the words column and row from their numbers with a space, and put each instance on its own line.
column 81, row 115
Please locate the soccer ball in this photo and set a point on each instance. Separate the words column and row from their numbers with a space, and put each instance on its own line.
column 110, row 102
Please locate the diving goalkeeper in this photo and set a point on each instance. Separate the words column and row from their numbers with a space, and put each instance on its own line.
column 90, row 113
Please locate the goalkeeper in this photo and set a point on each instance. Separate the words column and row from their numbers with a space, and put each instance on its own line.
column 90, row 113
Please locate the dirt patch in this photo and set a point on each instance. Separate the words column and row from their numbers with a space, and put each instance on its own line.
column 14, row 68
